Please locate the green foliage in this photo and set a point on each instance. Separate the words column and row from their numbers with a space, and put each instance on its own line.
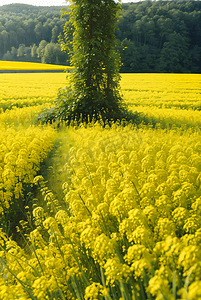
column 175, row 56
column 26, row 25
column 160, row 36
column 94, row 89
column 150, row 30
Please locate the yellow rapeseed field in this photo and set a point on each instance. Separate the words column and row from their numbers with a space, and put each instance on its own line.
column 165, row 98
column 162, row 90
column 28, row 89
column 24, row 95
column 128, row 223
column 28, row 66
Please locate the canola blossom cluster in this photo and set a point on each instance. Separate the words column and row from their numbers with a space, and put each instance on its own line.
column 180, row 91
column 29, row 89
column 171, row 117
column 168, row 99
column 128, row 226
column 25, row 116
column 21, row 154
column 24, row 96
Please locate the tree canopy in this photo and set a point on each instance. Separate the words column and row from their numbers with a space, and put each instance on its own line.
column 94, row 89
column 161, row 36
column 23, row 30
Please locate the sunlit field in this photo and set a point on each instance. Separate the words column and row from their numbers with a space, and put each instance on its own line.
column 163, row 90
column 24, row 95
column 164, row 98
column 101, row 213
column 27, row 66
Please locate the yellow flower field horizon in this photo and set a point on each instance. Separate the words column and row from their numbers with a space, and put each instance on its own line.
column 30, row 66
column 165, row 98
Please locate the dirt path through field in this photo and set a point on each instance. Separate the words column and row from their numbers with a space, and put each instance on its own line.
column 53, row 168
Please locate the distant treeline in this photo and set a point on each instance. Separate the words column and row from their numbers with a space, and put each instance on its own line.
column 153, row 36
column 161, row 36
column 30, row 33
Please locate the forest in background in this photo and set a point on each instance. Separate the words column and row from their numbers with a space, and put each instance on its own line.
column 153, row 36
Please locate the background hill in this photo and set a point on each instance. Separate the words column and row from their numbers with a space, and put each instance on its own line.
column 153, row 36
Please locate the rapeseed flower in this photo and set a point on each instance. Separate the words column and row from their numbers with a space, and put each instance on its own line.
column 129, row 221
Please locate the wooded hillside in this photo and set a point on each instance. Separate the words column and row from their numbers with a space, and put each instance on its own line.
column 153, row 36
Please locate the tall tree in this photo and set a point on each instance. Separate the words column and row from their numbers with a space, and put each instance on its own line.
column 175, row 56
column 39, row 31
column 41, row 48
column 93, row 92
column 21, row 50
column 14, row 52
column 34, row 51
column 49, row 55
column 54, row 37
column 5, row 36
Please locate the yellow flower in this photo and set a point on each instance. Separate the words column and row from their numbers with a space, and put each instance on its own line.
column 94, row 291
column 188, row 257
column 104, row 249
column 43, row 286
column 37, row 239
column 196, row 206
column 164, row 228
column 180, row 214
column 195, row 291
column 88, row 236
column 151, row 214
column 38, row 213
column 142, row 235
column 136, row 252
column 192, row 223
column 115, row 270
column 62, row 217
column 159, row 287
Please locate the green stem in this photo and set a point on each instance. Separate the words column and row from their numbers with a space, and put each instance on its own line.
column 18, row 258
column 188, row 280
column 142, row 294
column 20, row 281
column 85, row 204
column 76, row 289
column 89, row 173
column 79, row 265
column 107, row 296
column 132, row 283
column 136, row 189
column 174, row 285
column 146, row 281
column 60, row 291
column 37, row 258
column 124, row 291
